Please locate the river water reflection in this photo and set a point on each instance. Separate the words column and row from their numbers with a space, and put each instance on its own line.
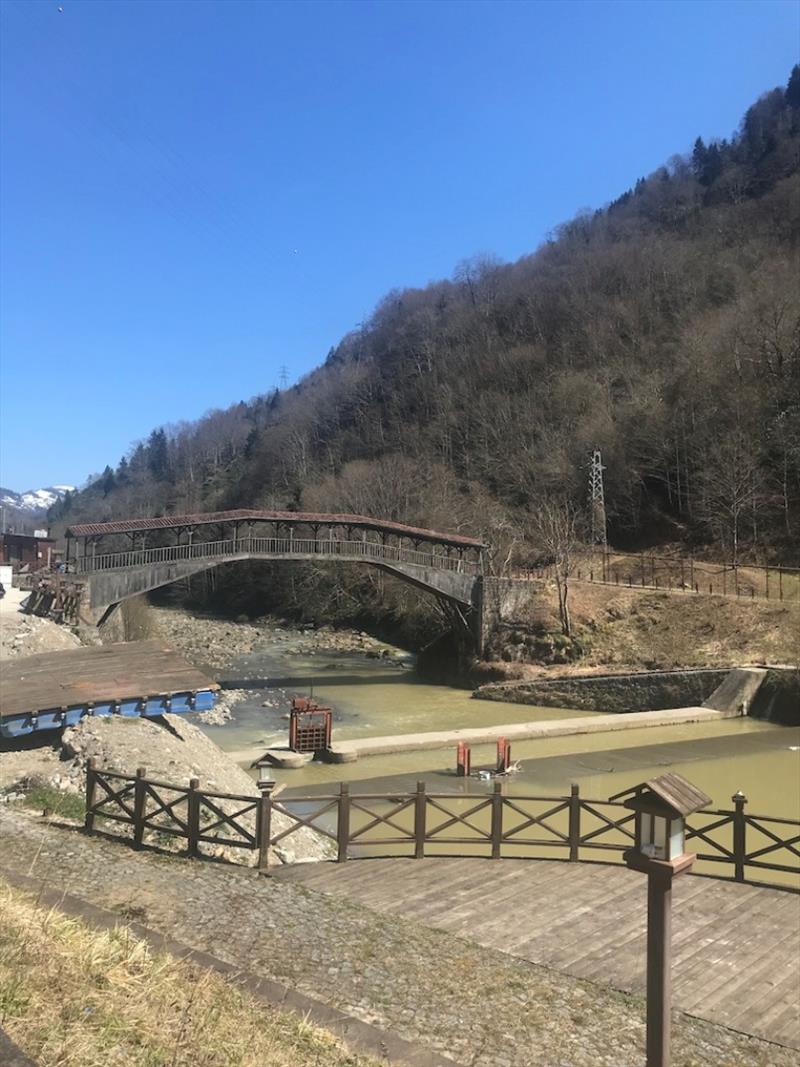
column 384, row 697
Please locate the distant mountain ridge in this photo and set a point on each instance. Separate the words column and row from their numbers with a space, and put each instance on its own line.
column 34, row 501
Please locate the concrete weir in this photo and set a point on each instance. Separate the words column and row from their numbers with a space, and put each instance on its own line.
column 730, row 699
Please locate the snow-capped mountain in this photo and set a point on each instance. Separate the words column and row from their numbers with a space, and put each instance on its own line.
column 34, row 501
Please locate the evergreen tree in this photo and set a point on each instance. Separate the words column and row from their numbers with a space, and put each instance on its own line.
column 158, row 454
column 107, row 481
column 699, row 159
column 793, row 87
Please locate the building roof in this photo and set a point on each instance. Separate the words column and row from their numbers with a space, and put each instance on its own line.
column 26, row 537
column 166, row 522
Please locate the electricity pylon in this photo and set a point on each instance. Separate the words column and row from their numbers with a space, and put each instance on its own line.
column 597, row 504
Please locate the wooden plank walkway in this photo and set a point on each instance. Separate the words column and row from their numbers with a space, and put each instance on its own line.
column 99, row 673
column 736, row 948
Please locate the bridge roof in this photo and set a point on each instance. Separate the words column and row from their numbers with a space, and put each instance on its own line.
column 166, row 522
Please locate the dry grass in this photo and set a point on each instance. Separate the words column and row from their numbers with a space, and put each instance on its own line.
column 663, row 630
column 629, row 629
column 74, row 997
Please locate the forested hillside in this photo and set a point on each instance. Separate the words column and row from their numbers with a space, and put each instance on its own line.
column 663, row 329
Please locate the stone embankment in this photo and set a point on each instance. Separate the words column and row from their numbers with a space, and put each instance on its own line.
column 728, row 691
column 621, row 693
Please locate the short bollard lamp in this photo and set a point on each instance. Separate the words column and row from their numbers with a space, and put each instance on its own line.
column 661, row 806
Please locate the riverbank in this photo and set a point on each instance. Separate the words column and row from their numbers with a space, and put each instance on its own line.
column 630, row 630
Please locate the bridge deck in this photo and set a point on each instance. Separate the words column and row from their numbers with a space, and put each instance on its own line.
column 736, row 947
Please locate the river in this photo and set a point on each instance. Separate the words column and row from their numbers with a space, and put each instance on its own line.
column 373, row 697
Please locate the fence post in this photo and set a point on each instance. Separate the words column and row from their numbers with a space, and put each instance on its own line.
column 264, row 823
column 193, row 817
column 780, row 583
column 420, row 805
column 91, row 791
column 497, row 820
column 343, row 822
column 739, row 824
column 139, row 801
column 766, row 580
column 574, row 822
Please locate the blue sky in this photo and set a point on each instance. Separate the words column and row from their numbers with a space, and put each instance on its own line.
column 194, row 193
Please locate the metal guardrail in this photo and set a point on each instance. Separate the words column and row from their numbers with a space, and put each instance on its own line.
column 275, row 548
column 737, row 845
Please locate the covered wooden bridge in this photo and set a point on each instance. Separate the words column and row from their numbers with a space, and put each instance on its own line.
column 127, row 557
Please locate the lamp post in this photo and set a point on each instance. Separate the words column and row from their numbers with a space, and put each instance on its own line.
column 661, row 806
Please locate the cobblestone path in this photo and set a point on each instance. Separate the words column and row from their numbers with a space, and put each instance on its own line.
column 476, row 1005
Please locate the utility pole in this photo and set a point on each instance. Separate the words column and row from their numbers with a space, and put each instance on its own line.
column 284, row 377
column 597, row 504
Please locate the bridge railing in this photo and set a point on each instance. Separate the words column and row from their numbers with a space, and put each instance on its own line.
column 732, row 844
column 274, row 548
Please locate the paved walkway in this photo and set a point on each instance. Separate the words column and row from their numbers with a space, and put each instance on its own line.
column 477, row 1006
column 736, row 947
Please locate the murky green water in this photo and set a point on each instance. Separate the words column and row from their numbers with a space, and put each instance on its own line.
column 376, row 697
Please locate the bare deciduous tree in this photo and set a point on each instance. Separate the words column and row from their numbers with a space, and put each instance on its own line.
column 557, row 529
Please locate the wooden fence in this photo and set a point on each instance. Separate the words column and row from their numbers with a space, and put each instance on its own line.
column 735, row 844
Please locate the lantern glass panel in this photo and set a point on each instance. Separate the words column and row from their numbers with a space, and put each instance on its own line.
column 676, row 840
column 660, row 837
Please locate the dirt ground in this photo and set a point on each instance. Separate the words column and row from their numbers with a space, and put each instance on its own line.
column 629, row 629
column 26, row 635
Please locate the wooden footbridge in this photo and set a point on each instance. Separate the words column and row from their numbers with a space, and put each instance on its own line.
column 510, row 872
column 118, row 560
column 736, row 948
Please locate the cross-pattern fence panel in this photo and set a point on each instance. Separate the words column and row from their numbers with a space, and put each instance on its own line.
column 731, row 844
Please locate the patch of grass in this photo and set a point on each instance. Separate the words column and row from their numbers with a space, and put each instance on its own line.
column 74, row 997
column 47, row 798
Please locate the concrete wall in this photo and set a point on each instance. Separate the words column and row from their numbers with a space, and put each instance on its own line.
column 650, row 691
column 778, row 699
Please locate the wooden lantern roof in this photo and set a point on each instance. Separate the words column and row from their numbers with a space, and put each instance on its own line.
column 669, row 794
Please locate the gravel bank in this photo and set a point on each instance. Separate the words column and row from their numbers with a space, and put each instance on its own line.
column 211, row 642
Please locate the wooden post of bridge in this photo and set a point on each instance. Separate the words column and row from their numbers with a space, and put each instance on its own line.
column 264, row 820
column 420, row 806
column 574, row 822
column 193, row 818
column 497, row 820
column 739, row 831
column 343, row 823
column 139, row 802
column 91, row 793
